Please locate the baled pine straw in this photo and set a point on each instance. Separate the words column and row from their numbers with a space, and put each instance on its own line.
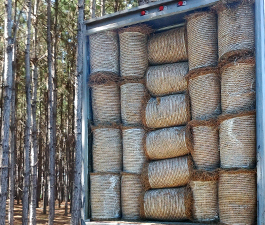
column 168, row 47
column 133, row 51
column 167, row 173
column 107, row 149
column 104, row 52
column 167, row 111
column 167, row 79
column 105, row 98
column 238, row 140
column 237, row 197
column 235, row 29
column 131, row 192
column 238, row 86
column 167, row 143
column 204, row 186
column 133, row 149
column 205, row 151
column 204, row 91
column 202, row 39
column 133, row 95
column 172, row 204
column 105, row 196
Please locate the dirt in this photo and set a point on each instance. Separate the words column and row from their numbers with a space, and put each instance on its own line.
column 60, row 218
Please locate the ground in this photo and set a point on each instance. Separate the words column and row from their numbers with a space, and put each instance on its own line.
column 60, row 218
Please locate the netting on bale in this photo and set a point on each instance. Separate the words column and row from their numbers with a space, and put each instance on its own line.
column 167, row 79
column 105, row 196
column 167, row 173
column 168, row 47
column 238, row 140
column 167, row 111
column 107, row 149
column 238, row 86
column 204, row 186
column 133, row 51
column 171, row 204
column 133, row 149
column 202, row 39
column 133, row 95
column 204, row 92
column 167, row 143
column 235, row 29
column 131, row 192
column 104, row 52
column 106, row 103
column 237, row 197
column 205, row 139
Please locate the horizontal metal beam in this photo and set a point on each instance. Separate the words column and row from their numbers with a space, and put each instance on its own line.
column 133, row 16
column 140, row 222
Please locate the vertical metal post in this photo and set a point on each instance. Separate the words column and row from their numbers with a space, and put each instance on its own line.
column 260, row 107
column 84, row 181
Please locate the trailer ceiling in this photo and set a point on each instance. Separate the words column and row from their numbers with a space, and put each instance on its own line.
column 171, row 15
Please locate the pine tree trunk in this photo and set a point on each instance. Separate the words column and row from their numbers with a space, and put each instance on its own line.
column 20, row 159
column 45, row 158
column 143, row 2
column 116, row 5
column 102, row 7
column 51, row 128
column 12, row 146
column 93, row 9
column 8, row 82
column 34, row 149
column 28, row 122
column 56, row 36
column 76, row 207
column 12, row 157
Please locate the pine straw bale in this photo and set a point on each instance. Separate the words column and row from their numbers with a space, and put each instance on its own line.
column 236, row 34
column 204, row 91
column 106, row 103
column 131, row 192
column 133, row 149
column 167, row 173
column 167, row 143
column 205, row 151
column 202, row 39
column 237, row 197
column 167, row 111
column 167, row 79
column 133, row 95
column 238, row 140
column 107, row 149
column 204, row 186
column 171, row 204
column 105, row 196
column 133, row 51
column 238, row 86
column 168, row 47
column 104, row 52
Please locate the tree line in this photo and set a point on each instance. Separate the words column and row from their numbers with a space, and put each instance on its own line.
column 40, row 103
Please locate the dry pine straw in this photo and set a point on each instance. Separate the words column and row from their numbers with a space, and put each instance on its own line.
column 106, row 78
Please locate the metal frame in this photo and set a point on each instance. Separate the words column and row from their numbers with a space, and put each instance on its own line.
column 260, row 108
column 133, row 16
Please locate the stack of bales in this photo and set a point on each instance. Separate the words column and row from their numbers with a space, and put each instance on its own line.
column 107, row 138
column 237, row 179
column 133, row 64
column 165, row 114
column 204, row 92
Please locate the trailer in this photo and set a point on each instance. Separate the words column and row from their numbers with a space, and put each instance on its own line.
column 164, row 15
